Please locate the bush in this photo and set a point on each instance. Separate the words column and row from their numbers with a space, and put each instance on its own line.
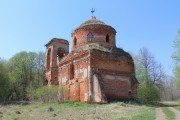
column 51, row 94
column 46, row 93
column 148, row 94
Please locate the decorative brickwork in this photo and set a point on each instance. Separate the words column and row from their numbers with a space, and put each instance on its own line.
column 95, row 71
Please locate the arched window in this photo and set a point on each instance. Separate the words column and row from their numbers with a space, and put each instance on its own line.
column 90, row 37
column 48, row 59
column 107, row 38
column 60, row 54
column 75, row 41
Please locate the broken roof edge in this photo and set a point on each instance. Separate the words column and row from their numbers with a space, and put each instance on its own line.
column 95, row 46
column 53, row 39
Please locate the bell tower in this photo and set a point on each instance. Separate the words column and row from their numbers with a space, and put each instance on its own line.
column 56, row 49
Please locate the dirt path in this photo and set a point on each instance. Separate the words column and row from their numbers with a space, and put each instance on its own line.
column 177, row 113
column 159, row 114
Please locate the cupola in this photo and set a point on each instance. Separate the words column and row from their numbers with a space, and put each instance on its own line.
column 94, row 31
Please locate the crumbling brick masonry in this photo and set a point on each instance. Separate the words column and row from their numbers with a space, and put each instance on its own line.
column 95, row 71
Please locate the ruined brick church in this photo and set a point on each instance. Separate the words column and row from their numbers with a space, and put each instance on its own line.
column 95, row 71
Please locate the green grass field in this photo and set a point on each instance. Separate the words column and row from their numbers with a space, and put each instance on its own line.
column 81, row 111
column 77, row 111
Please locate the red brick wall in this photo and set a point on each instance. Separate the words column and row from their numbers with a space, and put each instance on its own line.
column 116, row 89
column 107, row 61
column 116, row 71
column 51, row 70
column 78, row 86
column 99, row 36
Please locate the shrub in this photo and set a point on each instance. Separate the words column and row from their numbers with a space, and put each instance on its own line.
column 50, row 109
column 50, row 93
column 148, row 94
column 46, row 93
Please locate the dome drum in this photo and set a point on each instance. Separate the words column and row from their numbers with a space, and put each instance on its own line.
column 94, row 31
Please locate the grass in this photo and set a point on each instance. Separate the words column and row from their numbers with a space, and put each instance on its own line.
column 171, row 102
column 170, row 115
column 175, row 104
column 77, row 110
column 145, row 113
column 177, row 107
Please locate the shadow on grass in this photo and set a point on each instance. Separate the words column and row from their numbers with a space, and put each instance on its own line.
column 6, row 103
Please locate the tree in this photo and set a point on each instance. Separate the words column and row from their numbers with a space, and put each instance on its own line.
column 26, row 74
column 40, row 67
column 4, row 80
column 147, row 69
column 150, row 75
column 176, row 59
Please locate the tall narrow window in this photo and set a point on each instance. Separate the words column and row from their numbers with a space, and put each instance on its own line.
column 75, row 41
column 107, row 38
column 71, row 71
column 90, row 37
column 48, row 59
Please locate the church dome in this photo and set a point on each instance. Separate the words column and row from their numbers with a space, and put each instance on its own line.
column 92, row 21
column 95, row 23
column 94, row 31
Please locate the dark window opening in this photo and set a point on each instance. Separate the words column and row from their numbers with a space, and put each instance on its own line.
column 90, row 37
column 129, row 92
column 107, row 38
column 48, row 59
column 71, row 71
column 60, row 54
column 75, row 41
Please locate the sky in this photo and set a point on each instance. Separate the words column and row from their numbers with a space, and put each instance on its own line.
column 27, row 25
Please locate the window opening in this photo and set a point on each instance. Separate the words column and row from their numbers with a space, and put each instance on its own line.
column 71, row 71
column 48, row 59
column 75, row 41
column 107, row 38
column 90, row 37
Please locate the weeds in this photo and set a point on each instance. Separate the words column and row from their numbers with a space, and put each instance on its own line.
column 50, row 109
column 17, row 112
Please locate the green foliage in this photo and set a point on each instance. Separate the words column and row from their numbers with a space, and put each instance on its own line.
column 21, row 75
column 47, row 93
column 149, row 75
column 50, row 94
column 4, row 80
column 26, row 74
column 148, row 93
column 170, row 115
column 176, row 58
column 177, row 76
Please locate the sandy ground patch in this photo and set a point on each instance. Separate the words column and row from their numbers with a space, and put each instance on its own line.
column 159, row 114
